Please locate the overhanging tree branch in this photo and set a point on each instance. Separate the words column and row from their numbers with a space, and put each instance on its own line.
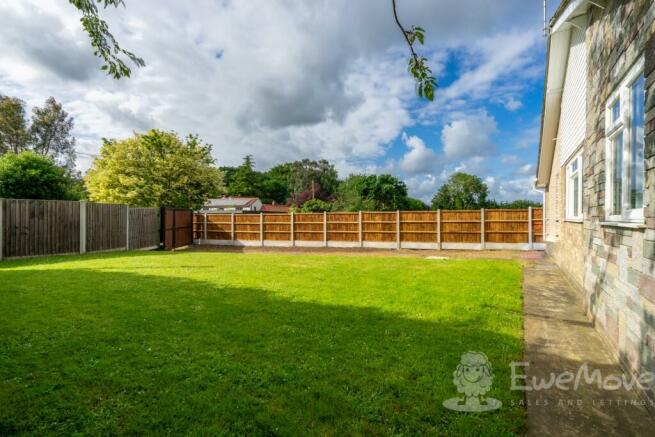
column 426, row 83
column 105, row 45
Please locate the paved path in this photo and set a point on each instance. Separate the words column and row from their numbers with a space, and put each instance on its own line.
column 559, row 337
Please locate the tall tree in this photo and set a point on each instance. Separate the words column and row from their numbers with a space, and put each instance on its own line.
column 14, row 136
column 461, row 191
column 351, row 195
column 301, row 175
column 371, row 193
column 155, row 169
column 50, row 133
column 245, row 180
column 30, row 176
column 412, row 204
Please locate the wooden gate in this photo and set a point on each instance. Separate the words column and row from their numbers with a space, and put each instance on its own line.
column 177, row 227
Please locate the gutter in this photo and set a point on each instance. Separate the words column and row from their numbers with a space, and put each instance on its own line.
column 543, row 109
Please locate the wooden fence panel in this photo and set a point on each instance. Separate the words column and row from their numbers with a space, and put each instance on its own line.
column 343, row 226
column 198, row 226
column 277, row 227
column 40, row 227
column 219, row 226
column 538, row 225
column 246, row 227
column 178, row 227
column 418, row 226
column 309, row 227
column 461, row 226
column 144, row 228
column 106, row 227
column 506, row 226
column 379, row 226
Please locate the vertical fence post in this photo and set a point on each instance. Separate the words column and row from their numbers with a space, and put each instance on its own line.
column 162, row 227
column 482, row 237
column 439, row 229
column 360, row 230
column 127, row 227
column 232, row 227
column 261, row 229
column 2, row 227
column 530, row 236
column 397, row 229
column 204, row 227
column 325, row 228
column 83, row 226
column 293, row 230
column 174, row 229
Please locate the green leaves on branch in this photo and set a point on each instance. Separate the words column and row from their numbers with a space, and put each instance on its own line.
column 105, row 45
column 416, row 33
column 426, row 83
column 418, row 67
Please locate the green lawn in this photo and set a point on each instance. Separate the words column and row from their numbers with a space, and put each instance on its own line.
column 219, row 343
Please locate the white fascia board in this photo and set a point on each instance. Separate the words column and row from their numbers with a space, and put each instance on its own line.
column 575, row 7
column 558, row 56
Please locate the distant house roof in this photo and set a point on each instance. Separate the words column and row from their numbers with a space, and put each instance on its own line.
column 226, row 202
column 267, row 207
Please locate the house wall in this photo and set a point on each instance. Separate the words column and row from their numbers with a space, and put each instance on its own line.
column 564, row 238
column 553, row 202
column 619, row 262
column 568, row 249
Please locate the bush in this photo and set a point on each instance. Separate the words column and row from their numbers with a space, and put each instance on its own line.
column 28, row 175
column 316, row 205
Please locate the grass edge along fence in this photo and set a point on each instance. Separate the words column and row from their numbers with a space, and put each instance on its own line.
column 511, row 229
column 30, row 227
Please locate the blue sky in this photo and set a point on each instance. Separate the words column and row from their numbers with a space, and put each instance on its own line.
column 296, row 79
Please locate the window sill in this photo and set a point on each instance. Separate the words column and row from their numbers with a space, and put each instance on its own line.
column 574, row 220
column 627, row 225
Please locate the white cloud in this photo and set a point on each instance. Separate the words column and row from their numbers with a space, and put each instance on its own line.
column 423, row 187
column 526, row 169
column 509, row 160
column 283, row 79
column 505, row 55
column 512, row 104
column 469, row 135
column 522, row 188
column 419, row 158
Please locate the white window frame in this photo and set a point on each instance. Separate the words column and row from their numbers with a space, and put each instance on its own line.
column 571, row 175
column 623, row 127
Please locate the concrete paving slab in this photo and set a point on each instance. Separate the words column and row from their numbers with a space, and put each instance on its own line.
column 560, row 338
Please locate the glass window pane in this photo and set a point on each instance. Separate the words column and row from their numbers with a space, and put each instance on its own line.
column 616, row 111
column 617, row 173
column 637, row 145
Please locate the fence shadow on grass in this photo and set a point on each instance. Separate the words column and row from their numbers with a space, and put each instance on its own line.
column 116, row 352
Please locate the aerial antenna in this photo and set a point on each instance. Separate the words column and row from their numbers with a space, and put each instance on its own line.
column 546, row 30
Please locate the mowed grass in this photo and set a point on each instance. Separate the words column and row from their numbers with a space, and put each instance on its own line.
column 257, row 344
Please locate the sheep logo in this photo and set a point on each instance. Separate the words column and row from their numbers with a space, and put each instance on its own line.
column 473, row 378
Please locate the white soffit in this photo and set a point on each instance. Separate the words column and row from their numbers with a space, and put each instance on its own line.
column 559, row 41
column 558, row 53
